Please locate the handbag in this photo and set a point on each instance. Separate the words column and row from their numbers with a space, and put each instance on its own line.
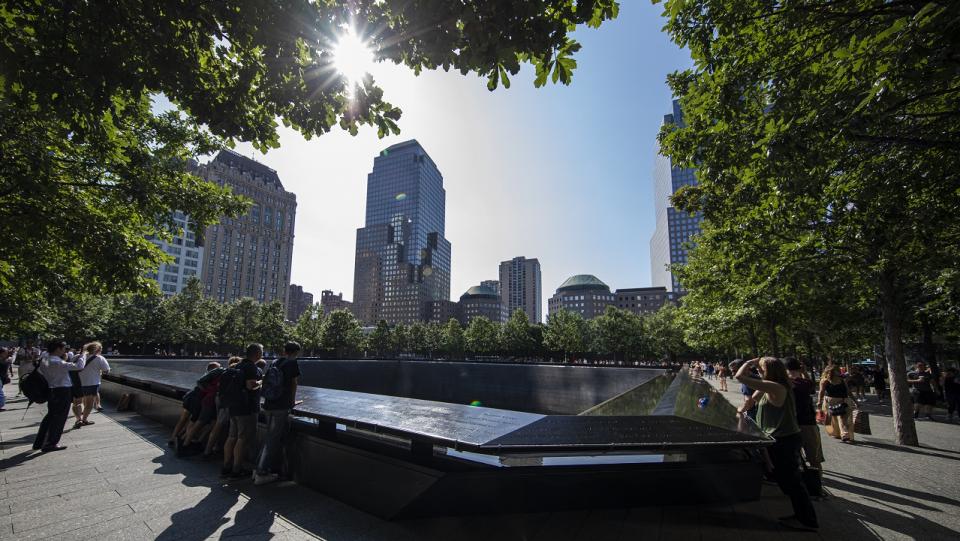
column 838, row 410
column 861, row 422
column 821, row 417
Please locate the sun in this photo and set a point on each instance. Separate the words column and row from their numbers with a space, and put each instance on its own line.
column 352, row 57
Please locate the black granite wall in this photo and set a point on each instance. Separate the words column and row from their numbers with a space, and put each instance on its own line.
column 546, row 389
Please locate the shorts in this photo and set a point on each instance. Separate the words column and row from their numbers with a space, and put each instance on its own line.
column 926, row 398
column 90, row 390
column 243, row 426
column 207, row 414
column 223, row 416
column 76, row 392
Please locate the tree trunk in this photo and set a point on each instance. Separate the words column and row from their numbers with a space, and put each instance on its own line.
column 774, row 341
column 904, row 426
column 752, row 337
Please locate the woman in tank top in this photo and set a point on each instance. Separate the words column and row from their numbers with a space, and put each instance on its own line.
column 777, row 417
column 834, row 399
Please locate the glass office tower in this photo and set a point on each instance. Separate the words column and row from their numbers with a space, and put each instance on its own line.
column 402, row 257
column 674, row 228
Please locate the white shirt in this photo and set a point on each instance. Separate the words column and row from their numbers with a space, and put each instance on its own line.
column 90, row 375
column 57, row 371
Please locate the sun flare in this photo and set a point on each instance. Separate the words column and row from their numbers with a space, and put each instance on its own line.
column 352, row 57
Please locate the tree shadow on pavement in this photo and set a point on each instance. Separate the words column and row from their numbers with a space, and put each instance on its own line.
column 906, row 523
column 926, row 451
column 913, row 495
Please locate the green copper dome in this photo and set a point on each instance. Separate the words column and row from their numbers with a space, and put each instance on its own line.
column 583, row 282
column 480, row 292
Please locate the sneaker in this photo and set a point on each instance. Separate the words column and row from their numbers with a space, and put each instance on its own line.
column 52, row 448
column 77, row 424
column 264, row 478
column 86, row 423
column 793, row 523
column 99, row 409
column 240, row 474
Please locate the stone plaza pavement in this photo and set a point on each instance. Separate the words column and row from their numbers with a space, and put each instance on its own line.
column 117, row 480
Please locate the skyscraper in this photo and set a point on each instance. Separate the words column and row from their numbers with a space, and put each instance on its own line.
column 402, row 257
column 520, row 287
column 298, row 301
column 673, row 227
column 187, row 257
column 249, row 256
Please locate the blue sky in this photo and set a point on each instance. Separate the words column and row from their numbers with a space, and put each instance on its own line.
column 559, row 173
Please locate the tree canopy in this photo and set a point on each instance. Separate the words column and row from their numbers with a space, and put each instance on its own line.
column 827, row 144
column 92, row 166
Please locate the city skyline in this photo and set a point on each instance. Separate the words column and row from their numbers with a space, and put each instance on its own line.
column 513, row 162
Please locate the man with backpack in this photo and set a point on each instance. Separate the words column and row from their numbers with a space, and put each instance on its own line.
column 240, row 387
column 55, row 373
column 279, row 396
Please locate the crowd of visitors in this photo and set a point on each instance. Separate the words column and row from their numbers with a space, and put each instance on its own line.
column 220, row 414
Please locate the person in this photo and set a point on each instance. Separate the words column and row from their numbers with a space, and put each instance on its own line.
column 222, row 424
column 4, row 378
column 747, row 407
column 189, row 413
column 803, row 389
column 244, row 407
column 276, row 409
column 27, row 360
column 95, row 366
column 777, row 417
column 951, row 391
column 56, row 371
column 835, row 396
column 921, row 391
column 855, row 383
column 880, row 382
column 207, row 387
column 76, row 389
column 722, row 374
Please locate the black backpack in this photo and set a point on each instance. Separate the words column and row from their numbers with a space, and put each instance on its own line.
column 273, row 386
column 35, row 387
column 232, row 390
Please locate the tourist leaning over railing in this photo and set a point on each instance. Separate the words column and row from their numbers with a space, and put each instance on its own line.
column 777, row 417
column 243, row 399
column 279, row 393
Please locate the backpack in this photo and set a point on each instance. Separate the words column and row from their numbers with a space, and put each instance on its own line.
column 232, row 391
column 273, row 387
column 35, row 387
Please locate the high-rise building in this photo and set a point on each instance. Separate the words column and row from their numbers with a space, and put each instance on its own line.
column 482, row 301
column 492, row 284
column 298, row 301
column 520, row 287
column 443, row 311
column 402, row 257
column 643, row 300
column 249, row 256
column 330, row 302
column 673, row 227
column 187, row 256
column 584, row 294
